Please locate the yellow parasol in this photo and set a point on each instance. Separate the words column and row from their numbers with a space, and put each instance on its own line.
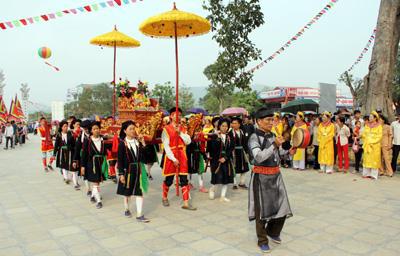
column 115, row 39
column 175, row 24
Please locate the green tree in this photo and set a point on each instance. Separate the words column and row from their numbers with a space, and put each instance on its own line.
column 247, row 99
column 38, row 114
column 232, row 23
column 356, row 87
column 215, row 100
column 90, row 100
column 186, row 99
column 165, row 94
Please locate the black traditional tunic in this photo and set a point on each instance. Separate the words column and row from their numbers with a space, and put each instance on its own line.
column 195, row 158
column 64, row 151
column 150, row 154
column 79, row 149
column 248, row 130
column 94, row 160
column 268, row 190
column 221, row 173
column 240, row 153
column 130, row 167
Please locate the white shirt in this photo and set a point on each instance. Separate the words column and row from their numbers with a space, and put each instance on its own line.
column 165, row 140
column 9, row 132
column 223, row 138
column 344, row 134
column 132, row 144
column 83, row 136
column 64, row 137
column 238, row 133
column 97, row 143
column 396, row 132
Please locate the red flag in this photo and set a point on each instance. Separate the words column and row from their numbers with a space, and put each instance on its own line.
column 44, row 17
column 118, row 2
column 16, row 109
column 23, row 21
column 2, row 26
column 87, row 8
column 11, row 106
column 115, row 143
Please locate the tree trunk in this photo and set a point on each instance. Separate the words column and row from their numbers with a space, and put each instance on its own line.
column 221, row 105
column 378, row 84
column 352, row 90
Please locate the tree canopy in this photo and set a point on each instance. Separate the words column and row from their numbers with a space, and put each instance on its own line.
column 90, row 100
column 232, row 24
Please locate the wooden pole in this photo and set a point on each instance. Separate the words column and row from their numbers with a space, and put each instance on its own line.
column 176, row 98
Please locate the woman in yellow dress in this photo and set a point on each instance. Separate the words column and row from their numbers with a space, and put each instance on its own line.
column 372, row 137
column 326, row 133
column 299, row 158
column 277, row 126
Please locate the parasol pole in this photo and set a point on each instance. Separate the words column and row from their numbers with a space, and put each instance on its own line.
column 176, row 97
column 115, row 61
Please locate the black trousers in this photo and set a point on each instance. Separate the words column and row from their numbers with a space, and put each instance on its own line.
column 271, row 228
column 396, row 150
column 183, row 180
column 316, row 163
column 11, row 141
column 358, row 157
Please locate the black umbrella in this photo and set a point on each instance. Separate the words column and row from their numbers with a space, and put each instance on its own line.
column 300, row 105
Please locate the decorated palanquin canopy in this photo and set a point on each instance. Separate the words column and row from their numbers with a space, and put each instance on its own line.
column 135, row 104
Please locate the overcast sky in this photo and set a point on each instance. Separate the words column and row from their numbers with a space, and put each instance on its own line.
column 321, row 55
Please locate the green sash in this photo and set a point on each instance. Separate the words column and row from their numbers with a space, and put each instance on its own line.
column 144, row 181
column 201, row 165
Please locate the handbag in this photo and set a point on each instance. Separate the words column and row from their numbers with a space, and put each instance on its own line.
column 355, row 147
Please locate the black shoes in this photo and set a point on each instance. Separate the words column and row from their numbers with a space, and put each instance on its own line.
column 165, row 202
column 128, row 214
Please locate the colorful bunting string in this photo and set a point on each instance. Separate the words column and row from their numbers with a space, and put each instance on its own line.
column 51, row 16
column 295, row 37
column 363, row 52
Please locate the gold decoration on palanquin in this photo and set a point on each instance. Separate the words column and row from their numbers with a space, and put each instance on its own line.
column 194, row 124
column 149, row 126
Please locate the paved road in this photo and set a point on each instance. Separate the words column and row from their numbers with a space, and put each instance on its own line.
column 333, row 215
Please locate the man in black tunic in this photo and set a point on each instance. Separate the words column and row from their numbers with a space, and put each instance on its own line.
column 268, row 201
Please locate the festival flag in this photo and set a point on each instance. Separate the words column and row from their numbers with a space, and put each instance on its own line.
column 11, row 107
column 3, row 111
column 16, row 109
